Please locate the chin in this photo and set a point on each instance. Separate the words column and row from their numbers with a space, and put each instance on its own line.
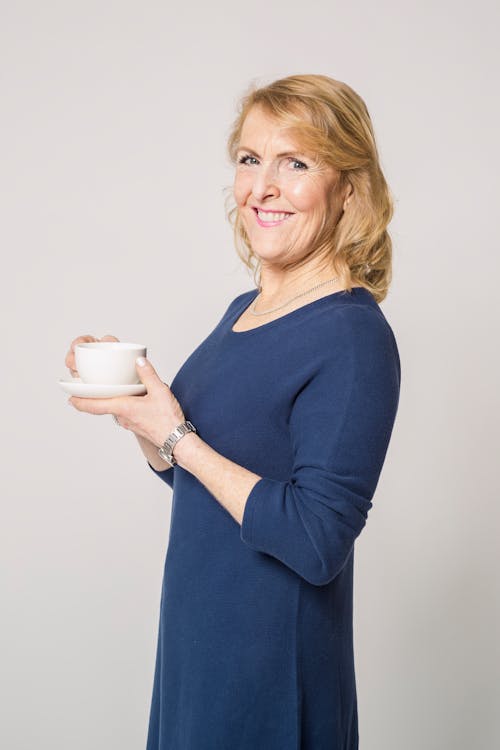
column 268, row 253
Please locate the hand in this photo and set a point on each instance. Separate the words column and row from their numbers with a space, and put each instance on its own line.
column 153, row 416
column 70, row 356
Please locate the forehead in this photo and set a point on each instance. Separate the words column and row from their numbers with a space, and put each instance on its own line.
column 263, row 130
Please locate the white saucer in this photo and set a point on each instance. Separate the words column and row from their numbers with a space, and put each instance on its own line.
column 75, row 387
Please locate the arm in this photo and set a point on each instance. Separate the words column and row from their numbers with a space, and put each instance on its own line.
column 208, row 462
column 227, row 481
column 340, row 427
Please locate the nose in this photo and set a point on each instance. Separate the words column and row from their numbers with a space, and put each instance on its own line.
column 265, row 182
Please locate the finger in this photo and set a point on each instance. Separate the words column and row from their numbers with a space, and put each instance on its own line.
column 117, row 405
column 70, row 356
column 82, row 340
column 148, row 375
column 109, row 337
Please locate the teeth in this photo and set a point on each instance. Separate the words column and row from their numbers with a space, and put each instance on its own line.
column 266, row 216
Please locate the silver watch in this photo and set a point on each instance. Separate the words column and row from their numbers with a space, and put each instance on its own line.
column 165, row 452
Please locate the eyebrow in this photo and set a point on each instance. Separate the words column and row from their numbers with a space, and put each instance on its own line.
column 283, row 153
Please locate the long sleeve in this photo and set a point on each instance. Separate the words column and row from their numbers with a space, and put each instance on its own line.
column 167, row 474
column 340, row 425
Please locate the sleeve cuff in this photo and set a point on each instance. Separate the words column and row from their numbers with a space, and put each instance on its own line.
column 249, row 523
column 167, row 475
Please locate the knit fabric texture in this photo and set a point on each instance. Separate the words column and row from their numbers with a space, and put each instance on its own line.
column 255, row 642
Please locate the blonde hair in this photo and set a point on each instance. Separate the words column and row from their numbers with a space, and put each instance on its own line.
column 331, row 120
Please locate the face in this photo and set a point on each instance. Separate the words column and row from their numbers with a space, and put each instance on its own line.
column 282, row 194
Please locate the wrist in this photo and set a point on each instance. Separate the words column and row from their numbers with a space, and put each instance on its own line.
column 166, row 450
column 186, row 448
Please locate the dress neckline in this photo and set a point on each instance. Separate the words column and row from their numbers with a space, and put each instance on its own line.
column 286, row 316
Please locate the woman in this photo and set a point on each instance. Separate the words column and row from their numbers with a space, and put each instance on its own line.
column 293, row 397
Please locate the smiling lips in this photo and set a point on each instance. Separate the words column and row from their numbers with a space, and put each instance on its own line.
column 271, row 218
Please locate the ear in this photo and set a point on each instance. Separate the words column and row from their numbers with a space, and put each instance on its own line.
column 348, row 192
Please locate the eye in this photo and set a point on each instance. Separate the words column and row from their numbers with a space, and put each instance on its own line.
column 243, row 159
column 300, row 163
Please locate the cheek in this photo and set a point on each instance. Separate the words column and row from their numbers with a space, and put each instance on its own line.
column 242, row 187
column 306, row 196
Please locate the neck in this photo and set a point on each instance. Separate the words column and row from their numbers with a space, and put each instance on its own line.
column 277, row 285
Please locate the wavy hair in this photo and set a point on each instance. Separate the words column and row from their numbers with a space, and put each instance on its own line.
column 330, row 120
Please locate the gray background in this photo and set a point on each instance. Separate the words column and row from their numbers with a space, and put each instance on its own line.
column 113, row 118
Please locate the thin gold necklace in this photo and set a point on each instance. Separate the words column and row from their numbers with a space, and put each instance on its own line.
column 252, row 310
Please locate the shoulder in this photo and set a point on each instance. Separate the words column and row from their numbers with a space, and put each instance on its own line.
column 347, row 314
column 238, row 301
column 360, row 317
column 357, row 332
column 241, row 298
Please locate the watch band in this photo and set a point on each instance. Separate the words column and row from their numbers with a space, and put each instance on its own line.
column 165, row 452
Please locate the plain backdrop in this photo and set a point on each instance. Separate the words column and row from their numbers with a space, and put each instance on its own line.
column 113, row 119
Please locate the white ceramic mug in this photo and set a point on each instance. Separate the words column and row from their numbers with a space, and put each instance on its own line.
column 108, row 362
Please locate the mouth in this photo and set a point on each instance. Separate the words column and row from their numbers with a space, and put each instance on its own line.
column 271, row 218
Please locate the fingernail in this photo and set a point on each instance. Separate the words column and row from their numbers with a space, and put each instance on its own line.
column 141, row 361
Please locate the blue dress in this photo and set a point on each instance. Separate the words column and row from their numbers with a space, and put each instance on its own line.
column 255, row 643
